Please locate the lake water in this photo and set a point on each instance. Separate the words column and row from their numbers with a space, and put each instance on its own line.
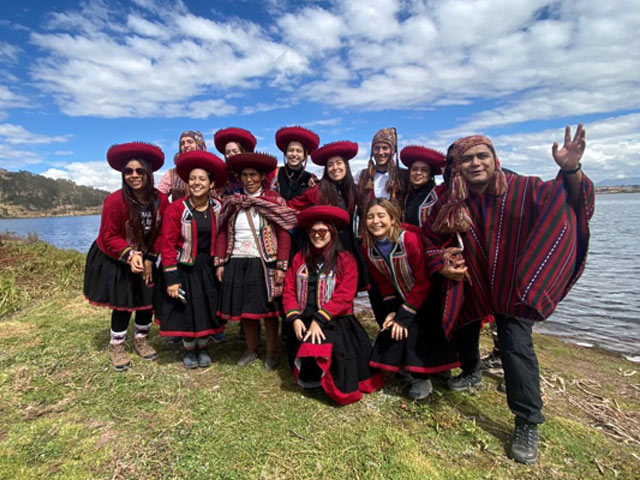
column 603, row 308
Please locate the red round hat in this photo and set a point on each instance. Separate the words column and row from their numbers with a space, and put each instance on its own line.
column 345, row 149
column 263, row 162
column 119, row 155
column 234, row 134
column 322, row 213
column 286, row 135
column 201, row 159
column 413, row 153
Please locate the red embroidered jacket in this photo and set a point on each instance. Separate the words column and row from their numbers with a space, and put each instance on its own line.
column 114, row 237
column 336, row 291
column 404, row 274
column 180, row 236
column 271, row 235
column 525, row 250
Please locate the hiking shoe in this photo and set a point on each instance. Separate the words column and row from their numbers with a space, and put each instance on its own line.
column 524, row 443
column 466, row 381
column 270, row 362
column 142, row 348
column 420, row 388
column 118, row 356
column 219, row 337
column 190, row 359
column 204, row 360
column 247, row 358
column 492, row 363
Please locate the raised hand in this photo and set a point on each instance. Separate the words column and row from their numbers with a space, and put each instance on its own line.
column 571, row 152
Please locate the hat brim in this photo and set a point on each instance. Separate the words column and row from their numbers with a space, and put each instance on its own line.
column 414, row 153
column 234, row 134
column 119, row 155
column 187, row 161
column 263, row 162
column 286, row 135
column 323, row 213
column 344, row 149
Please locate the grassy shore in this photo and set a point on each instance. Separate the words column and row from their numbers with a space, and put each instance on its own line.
column 66, row 414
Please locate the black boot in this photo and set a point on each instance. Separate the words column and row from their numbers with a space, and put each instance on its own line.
column 524, row 444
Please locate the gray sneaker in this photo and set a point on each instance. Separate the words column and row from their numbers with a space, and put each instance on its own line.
column 466, row 381
column 190, row 360
column 420, row 388
column 204, row 360
column 524, row 443
column 246, row 359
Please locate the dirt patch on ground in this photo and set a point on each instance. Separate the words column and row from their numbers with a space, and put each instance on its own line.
column 15, row 329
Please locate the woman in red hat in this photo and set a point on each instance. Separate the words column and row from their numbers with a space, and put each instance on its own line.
column 296, row 143
column 336, row 188
column 171, row 183
column 119, row 269
column 412, row 338
column 252, row 253
column 424, row 164
column 328, row 347
column 186, row 299
column 229, row 142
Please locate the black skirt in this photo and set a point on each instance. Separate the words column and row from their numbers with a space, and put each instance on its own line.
column 197, row 317
column 340, row 364
column 425, row 350
column 110, row 283
column 243, row 293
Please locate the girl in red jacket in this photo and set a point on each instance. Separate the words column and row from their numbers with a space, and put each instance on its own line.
column 119, row 269
column 412, row 338
column 187, row 297
column 327, row 347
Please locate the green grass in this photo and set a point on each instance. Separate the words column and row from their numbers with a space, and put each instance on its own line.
column 66, row 414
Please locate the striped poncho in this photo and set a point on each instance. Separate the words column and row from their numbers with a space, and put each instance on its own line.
column 525, row 250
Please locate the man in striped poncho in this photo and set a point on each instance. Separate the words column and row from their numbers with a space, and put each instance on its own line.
column 518, row 244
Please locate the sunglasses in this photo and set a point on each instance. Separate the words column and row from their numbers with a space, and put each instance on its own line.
column 320, row 232
column 139, row 171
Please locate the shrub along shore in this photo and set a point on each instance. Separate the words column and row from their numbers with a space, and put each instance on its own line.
column 66, row 414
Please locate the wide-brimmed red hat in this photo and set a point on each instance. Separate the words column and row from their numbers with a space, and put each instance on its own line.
column 234, row 134
column 263, row 162
column 119, row 155
column 306, row 137
column 323, row 213
column 201, row 159
column 414, row 153
column 345, row 149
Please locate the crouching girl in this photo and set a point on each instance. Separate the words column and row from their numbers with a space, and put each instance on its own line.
column 411, row 338
column 328, row 347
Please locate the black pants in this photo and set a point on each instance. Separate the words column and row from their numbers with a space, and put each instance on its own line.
column 519, row 362
column 120, row 319
column 375, row 299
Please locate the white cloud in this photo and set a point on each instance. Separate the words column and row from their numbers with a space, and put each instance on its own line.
column 97, row 174
column 18, row 135
column 13, row 158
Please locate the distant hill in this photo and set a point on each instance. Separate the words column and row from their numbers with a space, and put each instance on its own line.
column 619, row 182
column 24, row 194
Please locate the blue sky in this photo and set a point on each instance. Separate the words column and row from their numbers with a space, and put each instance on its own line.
column 77, row 77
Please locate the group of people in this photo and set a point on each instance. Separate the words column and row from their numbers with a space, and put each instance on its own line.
column 245, row 240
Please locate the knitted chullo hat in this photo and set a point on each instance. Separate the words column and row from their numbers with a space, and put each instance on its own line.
column 197, row 137
column 387, row 135
column 454, row 215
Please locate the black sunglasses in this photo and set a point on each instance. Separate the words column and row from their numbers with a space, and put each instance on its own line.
column 139, row 171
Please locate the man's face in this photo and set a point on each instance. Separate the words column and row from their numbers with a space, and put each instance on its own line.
column 478, row 166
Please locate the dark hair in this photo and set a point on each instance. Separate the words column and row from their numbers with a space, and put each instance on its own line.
column 329, row 190
column 329, row 253
column 143, row 241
